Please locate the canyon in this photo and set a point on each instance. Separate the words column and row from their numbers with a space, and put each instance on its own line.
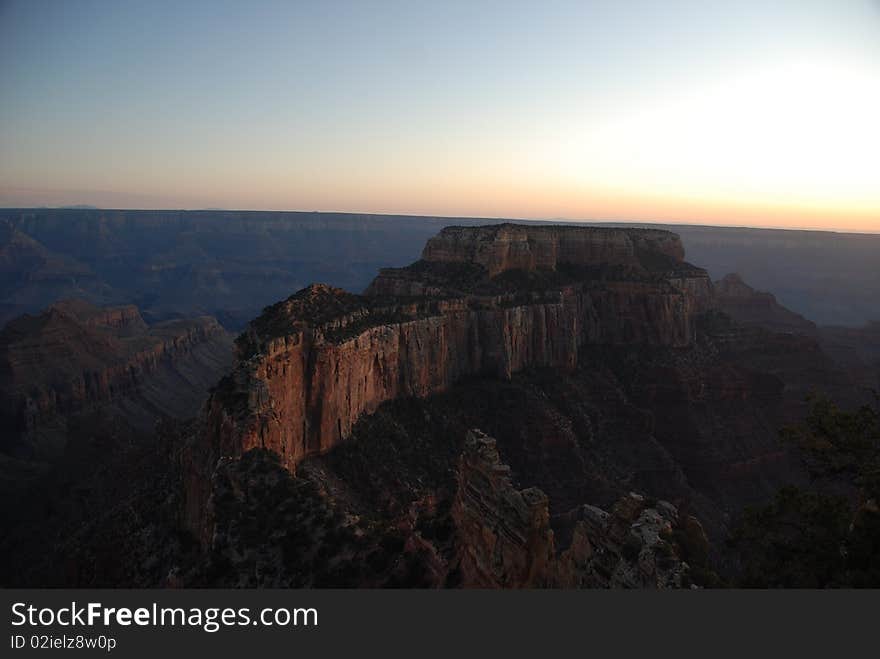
column 628, row 410
column 84, row 392
column 600, row 360
column 232, row 264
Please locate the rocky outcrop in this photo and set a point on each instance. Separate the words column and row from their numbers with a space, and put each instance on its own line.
column 76, row 357
column 504, row 537
column 503, row 247
column 638, row 544
column 311, row 365
column 504, row 534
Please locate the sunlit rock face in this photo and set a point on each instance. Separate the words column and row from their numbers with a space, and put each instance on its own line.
column 311, row 365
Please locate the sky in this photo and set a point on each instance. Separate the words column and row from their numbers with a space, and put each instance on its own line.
column 738, row 113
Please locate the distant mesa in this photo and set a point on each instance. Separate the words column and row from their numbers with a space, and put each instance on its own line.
column 504, row 247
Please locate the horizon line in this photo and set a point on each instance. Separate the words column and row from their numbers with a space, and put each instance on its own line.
column 561, row 220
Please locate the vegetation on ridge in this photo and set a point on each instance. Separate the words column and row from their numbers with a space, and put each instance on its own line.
column 828, row 534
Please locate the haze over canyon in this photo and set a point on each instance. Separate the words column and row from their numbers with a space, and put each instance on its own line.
column 412, row 401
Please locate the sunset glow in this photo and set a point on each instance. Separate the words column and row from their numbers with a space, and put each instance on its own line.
column 694, row 112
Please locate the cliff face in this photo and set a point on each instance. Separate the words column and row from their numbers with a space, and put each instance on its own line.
column 302, row 392
column 311, row 365
column 504, row 535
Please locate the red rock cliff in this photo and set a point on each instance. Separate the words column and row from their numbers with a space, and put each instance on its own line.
column 311, row 365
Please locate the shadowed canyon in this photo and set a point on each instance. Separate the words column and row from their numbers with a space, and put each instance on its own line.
column 457, row 404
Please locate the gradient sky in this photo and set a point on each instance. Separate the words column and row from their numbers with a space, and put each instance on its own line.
column 748, row 113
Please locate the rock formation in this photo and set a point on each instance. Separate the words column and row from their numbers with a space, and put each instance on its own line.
column 504, row 537
column 504, row 534
column 338, row 453
column 503, row 247
column 685, row 403
column 76, row 357
column 311, row 365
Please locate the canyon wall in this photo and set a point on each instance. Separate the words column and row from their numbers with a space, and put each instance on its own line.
column 311, row 365
column 302, row 392
column 76, row 357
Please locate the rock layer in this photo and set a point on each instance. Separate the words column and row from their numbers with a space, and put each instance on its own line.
column 311, row 365
column 503, row 247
